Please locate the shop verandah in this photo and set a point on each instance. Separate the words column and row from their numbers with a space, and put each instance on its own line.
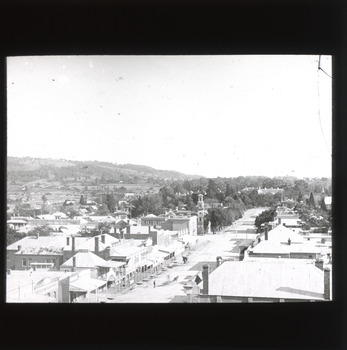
column 127, row 277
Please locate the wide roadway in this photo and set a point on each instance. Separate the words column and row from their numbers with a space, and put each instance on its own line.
column 169, row 285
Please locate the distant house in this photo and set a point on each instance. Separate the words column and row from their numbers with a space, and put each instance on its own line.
column 45, row 217
column 120, row 215
column 104, row 219
column 50, row 252
column 270, row 191
column 59, row 215
column 52, row 222
column 152, row 220
column 16, row 224
column 36, row 252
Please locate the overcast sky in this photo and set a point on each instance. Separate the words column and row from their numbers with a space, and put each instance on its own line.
column 206, row 115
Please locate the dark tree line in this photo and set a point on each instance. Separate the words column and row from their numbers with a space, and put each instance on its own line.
column 264, row 217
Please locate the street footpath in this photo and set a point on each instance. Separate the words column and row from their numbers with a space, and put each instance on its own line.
column 170, row 283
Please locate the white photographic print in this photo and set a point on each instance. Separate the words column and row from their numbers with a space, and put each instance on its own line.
column 169, row 179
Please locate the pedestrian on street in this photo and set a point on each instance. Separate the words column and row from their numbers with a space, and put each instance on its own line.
column 153, row 284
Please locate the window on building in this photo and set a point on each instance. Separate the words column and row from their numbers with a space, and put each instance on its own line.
column 24, row 262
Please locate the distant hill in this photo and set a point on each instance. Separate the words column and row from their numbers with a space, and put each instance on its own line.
column 39, row 168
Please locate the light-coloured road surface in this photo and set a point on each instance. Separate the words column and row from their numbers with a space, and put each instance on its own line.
column 209, row 246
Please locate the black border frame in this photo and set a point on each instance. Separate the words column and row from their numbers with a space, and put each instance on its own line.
column 78, row 27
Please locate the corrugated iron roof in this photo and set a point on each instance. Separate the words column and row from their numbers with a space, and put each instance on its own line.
column 280, row 279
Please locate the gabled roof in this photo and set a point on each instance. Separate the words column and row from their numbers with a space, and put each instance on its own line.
column 85, row 260
column 281, row 234
column 121, row 223
column 86, row 284
column 149, row 216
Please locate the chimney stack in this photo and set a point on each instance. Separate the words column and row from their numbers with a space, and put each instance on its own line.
column 205, row 273
column 19, row 248
column 67, row 240
column 149, row 229
column 327, row 283
column 289, row 241
column 219, row 260
column 74, row 263
column 319, row 263
column 73, row 243
column 107, row 253
column 96, row 240
column 266, row 232
column 103, row 238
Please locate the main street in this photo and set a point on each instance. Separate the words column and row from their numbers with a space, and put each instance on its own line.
column 169, row 285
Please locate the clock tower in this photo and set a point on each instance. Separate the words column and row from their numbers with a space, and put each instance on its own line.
column 201, row 213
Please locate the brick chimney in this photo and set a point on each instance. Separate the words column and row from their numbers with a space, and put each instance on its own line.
column 205, row 276
column 67, row 240
column 107, row 253
column 73, row 263
column 266, row 232
column 319, row 263
column 19, row 248
column 219, row 260
column 73, row 243
column 96, row 240
column 289, row 241
column 128, row 229
column 103, row 237
column 327, row 283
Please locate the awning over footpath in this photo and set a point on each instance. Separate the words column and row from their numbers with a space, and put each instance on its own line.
column 156, row 257
column 246, row 243
column 172, row 248
column 114, row 264
column 86, row 285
